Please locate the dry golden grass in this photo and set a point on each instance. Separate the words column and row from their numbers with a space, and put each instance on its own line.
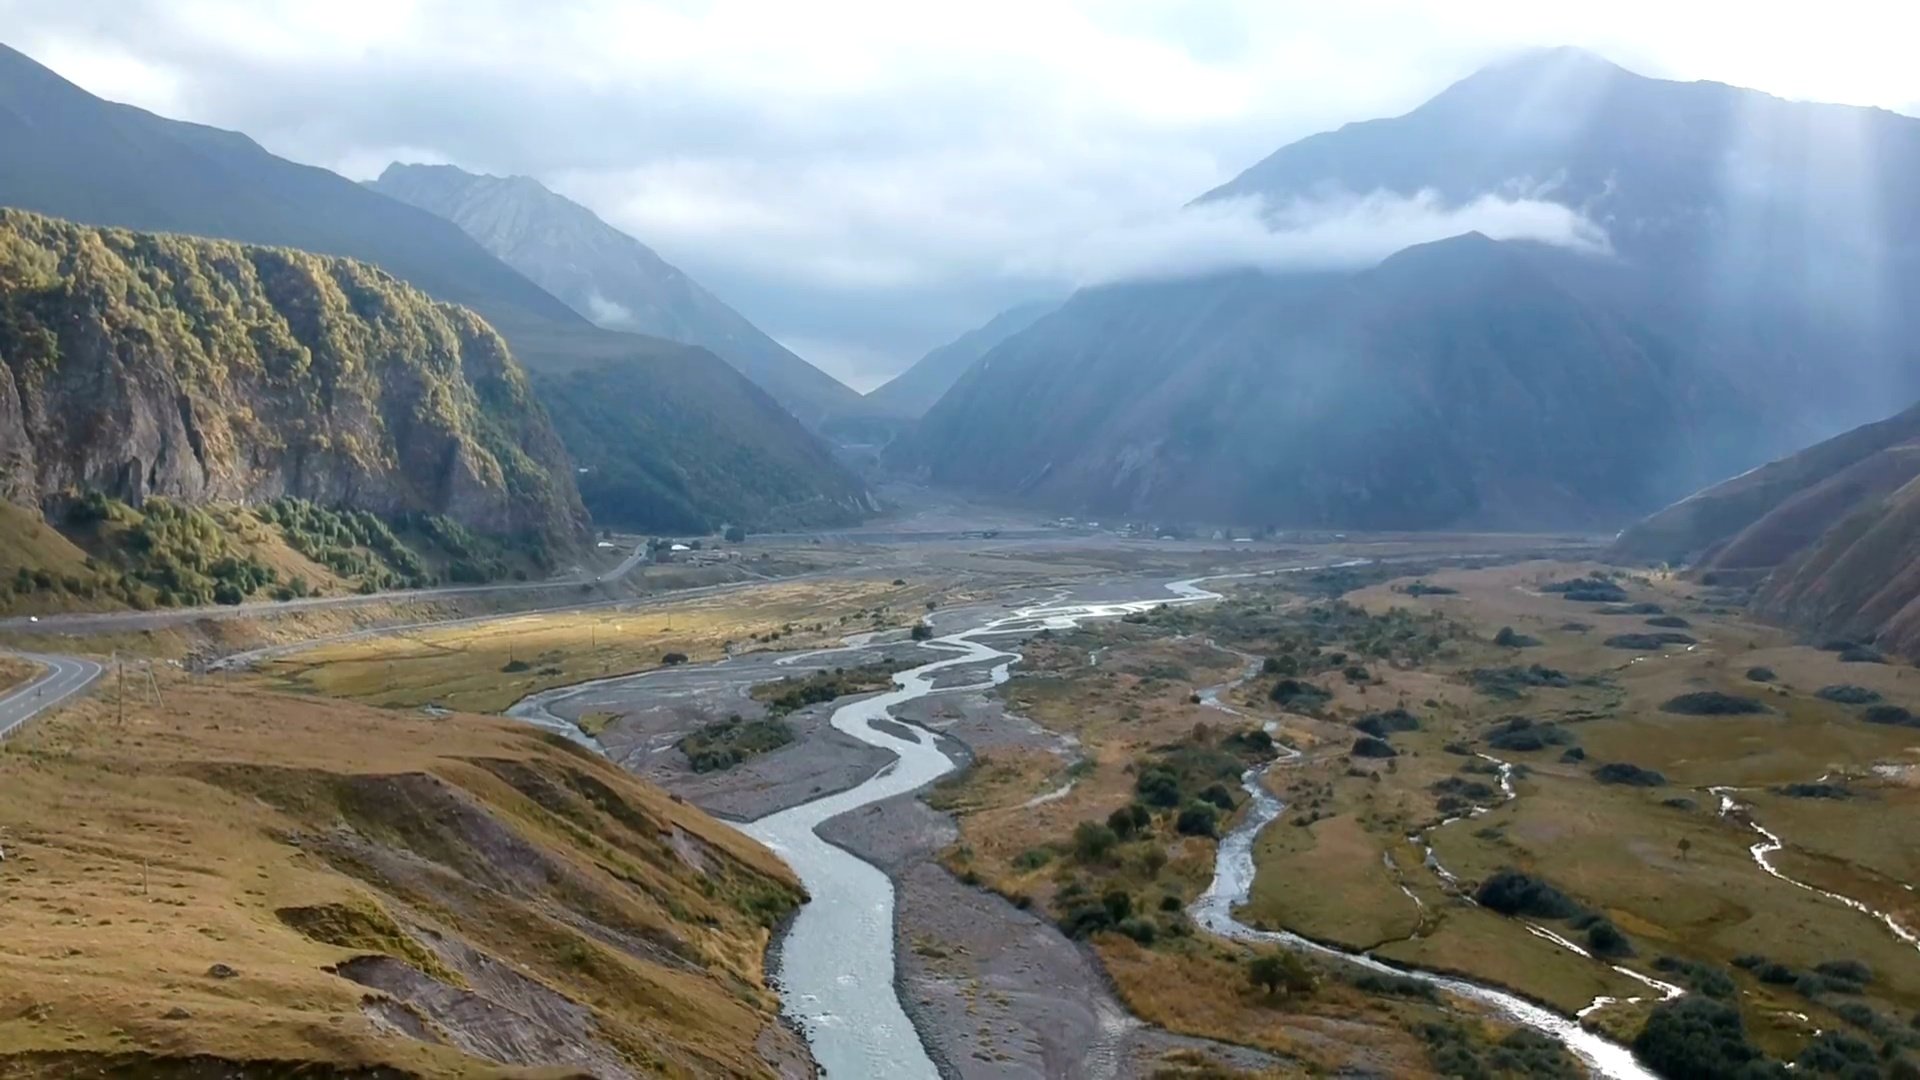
column 139, row 854
column 28, row 541
column 466, row 666
column 1620, row 849
column 14, row 671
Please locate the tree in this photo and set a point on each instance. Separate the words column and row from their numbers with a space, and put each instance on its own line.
column 674, row 659
column 1278, row 971
column 736, row 535
column 1684, row 846
column 922, row 632
column 1197, row 819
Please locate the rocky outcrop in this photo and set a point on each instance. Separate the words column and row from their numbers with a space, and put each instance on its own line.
column 205, row 370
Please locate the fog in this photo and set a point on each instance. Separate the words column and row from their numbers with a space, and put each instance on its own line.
column 1335, row 231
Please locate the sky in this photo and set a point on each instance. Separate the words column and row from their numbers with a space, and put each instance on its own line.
column 866, row 179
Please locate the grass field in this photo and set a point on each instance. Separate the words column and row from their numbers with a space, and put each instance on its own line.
column 184, row 882
column 13, row 672
column 487, row 665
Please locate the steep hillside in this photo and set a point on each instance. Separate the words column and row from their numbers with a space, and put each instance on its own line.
column 1833, row 532
column 207, row 371
column 913, row 391
column 611, row 278
column 1458, row 383
column 1753, row 232
column 266, row 885
column 116, row 165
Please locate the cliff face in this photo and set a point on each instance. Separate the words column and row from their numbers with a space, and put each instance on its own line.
column 205, row 370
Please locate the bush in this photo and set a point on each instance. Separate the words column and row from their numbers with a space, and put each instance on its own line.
column 1093, row 842
column 1649, row 642
column 1512, row 682
column 1760, row 673
column 1814, row 791
column 1298, row 695
column 1605, row 939
column 1620, row 772
column 1572, row 755
column 1712, row 703
column 1511, row 892
column 1848, row 694
column 1591, row 590
column 674, row 659
column 1421, row 588
column 1641, row 608
column 1698, row 977
column 922, row 632
column 1670, row 622
column 1851, row 971
column 1198, row 819
column 1383, row 724
column 1217, row 795
column 515, row 666
column 1699, row 1037
column 1367, row 746
column 1128, row 821
column 1835, row 1053
column 1158, row 786
column 1892, row 715
column 1522, row 734
column 736, row 535
column 723, row 745
column 1279, row 971
column 1509, row 638
column 1861, row 654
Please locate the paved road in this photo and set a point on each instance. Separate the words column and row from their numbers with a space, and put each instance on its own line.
column 62, row 678
column 96, row 622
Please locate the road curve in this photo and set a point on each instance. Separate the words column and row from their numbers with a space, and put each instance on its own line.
column 61, row 678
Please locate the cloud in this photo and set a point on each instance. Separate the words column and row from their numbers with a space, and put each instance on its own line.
column 872, row 172
column 1329, row 232
column 608, row 312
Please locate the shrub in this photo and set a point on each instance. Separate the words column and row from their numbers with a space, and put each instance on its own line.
column 1572, row 755
column 1641, row 608
column 1760, row 673
column 1509, row 638
column 1649, row 641
column 1279, row 971
column 1701, row 1038
column 1814, row 791
column 736, row 535
column 674, row 659
column 922, row 632
column 1522, row 734
column 1383, row 724
column 1852, row 971
column 1592, row 590
column 1889, row 714
column 1670, row 622
column 1620, row 772
column 1197, row 819
column 1127, row 821
column 1861, row 654
column 1605, row 939
column 1295, row 694
column 1421, row 588
column 723, row 745
column 1033, row 858
column 1093, row 842
column 1711, row 703
column 515, row 666
column 1511, row 892
column 1367, row 746
column 1512, row 682
column 1158, row 786
column 1835, row 1053
column 1848, row 694
column 1698, row 977
column 1217, row 795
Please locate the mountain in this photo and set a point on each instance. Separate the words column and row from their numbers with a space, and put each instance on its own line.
column 1747, row 305
column 1832, row 533
column 1457, row 383
column 1772, row 240
column 611, row 278
column 201, row 370
column 73, row 155
column 913, row 391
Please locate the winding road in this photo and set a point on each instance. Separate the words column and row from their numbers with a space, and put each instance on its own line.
column 60, row 678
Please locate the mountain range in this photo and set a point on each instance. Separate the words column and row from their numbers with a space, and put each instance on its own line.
column 1743, row 307
column 914, row 391
column 679, row 440
column 612, row 279
column 1830, row 535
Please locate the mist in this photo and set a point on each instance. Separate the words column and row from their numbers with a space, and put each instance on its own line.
column 1336, row 231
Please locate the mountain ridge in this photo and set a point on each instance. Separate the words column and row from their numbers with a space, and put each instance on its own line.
column 914, row 391
column 610, row 277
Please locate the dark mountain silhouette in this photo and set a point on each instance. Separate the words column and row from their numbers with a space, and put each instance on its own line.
column 913, row 391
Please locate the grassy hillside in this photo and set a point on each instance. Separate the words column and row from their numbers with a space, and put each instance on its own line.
column 253, row 882
column 199, row 370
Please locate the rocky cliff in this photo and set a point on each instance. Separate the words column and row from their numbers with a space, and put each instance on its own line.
column 205, row 370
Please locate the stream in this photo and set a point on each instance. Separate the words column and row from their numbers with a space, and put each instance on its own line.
column 835, row 967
